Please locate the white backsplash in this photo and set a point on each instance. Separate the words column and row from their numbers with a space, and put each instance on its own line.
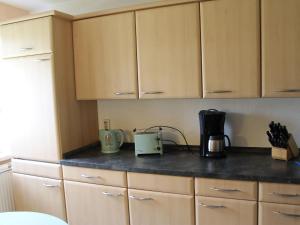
column 246, row 120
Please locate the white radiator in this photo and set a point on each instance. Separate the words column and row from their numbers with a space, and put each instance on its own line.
column 6, row 192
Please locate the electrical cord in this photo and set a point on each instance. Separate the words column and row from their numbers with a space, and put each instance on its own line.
column 171, row 141
column 173, row 128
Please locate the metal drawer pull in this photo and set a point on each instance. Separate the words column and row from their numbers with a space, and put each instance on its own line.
column 153, row 92
column 140, row 199
column 26, row 49
column 111, row 194
column 289, row 90
column 90, row 177
column 212, row 206
column 285, row 195
column 287, row 214
column 50, row 185
column 224, row 190
column 41, row 60
column 124, row 93
column 219, row 92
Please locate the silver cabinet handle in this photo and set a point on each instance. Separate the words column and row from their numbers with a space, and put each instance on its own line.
column 224, row 190
column 219, row 92
column 140, row 199
column 90, row 177
column 42, row 60
column 51, row 185
column 285, row 195
column 212, row 206
column 26, row 49
column 111, row 194
column 287, row 214
column 124, row 93
column 289, row 90
column 152, row 92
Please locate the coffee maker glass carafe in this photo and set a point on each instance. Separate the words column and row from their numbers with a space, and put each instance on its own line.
column 212, row 133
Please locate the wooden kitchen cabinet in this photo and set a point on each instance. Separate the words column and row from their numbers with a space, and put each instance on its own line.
column 95, row 176
column 27, row 37
column 280, row 48
column 279, row 193
column 168, row 50
column 91, row 204
column 230, row 34
column 156, row 208
column 278, row 214
column 105, row 57
column 46, row 119
column 234, row 189
column 225, row 211
column 38, row 194
column 35, row 131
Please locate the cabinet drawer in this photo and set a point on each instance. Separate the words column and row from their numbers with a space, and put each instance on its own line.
column 279, row 193
column 38, row 194
column 91, row 204
column 49, row 170
column 156, row 208
column 225, row 211
column 278, row 214
column 226, row 188
column 27, row 38
column 95, row 176
column 161, row 183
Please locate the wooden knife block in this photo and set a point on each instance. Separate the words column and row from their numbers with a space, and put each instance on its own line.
column 288, row 153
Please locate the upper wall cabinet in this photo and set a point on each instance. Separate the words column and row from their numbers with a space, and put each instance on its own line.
column 168, row 42
column 230, row 32
column 281, row 48
column 29, row 37
column 105, row 57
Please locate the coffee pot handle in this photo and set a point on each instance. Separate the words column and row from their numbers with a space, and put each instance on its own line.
column 122, row 137
column 228, row 139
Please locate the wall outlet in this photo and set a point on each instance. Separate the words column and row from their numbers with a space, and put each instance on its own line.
column 106, row 123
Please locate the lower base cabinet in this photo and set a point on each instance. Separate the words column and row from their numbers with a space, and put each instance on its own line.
column 278, row 214
column 39, row 194
column 92, row 204
column 156, row 208
column 217, row 211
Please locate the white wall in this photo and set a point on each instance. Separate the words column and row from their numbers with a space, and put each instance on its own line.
column 247, row 119
column 73, row 7
column 8, row 12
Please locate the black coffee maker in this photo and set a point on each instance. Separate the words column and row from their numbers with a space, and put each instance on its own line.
column 212, row 133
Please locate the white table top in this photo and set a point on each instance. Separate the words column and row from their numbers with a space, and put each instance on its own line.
column 28, row 218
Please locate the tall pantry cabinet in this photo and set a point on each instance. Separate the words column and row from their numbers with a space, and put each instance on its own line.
column 46, row 119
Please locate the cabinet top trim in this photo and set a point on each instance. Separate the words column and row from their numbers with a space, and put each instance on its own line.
column 39, row 15
column 149, row 5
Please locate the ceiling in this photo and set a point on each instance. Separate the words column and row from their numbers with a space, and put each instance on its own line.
column 73, row 7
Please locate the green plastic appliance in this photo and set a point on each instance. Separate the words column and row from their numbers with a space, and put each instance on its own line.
column 111, row 140
column 148, row 143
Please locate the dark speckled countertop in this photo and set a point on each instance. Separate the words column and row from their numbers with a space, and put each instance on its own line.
column 238, row 165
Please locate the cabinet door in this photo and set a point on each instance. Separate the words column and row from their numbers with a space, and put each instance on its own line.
column 32, row 108
column 225, row 211
column 39, row 194
column 168, row 40
column 230, row 32
column 156, row 208
column 278, row 214
column 281, row 48
column 27, row 38
column 105, row 57
column 91, row 204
